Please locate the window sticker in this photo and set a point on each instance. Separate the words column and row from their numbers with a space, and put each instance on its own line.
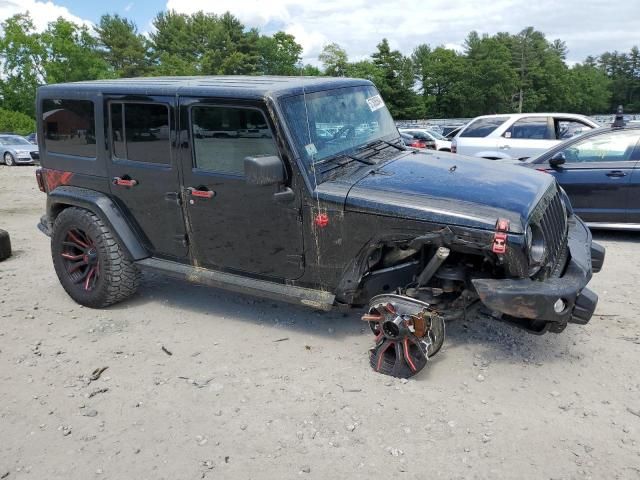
column 311, row 149
column 375, row 103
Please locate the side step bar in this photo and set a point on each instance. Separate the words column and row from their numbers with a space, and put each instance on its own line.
column 237, row 283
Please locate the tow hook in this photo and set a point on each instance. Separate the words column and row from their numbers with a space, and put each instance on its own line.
column 407, row 333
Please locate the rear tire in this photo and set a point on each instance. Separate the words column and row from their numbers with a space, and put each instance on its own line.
column 5, row 245
column 9, row 161
column 90, row 264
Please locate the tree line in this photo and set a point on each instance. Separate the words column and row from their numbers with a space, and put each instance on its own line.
column 492, row 74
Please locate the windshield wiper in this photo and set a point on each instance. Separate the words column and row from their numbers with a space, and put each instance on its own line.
column 375, row 142
column 332, row 158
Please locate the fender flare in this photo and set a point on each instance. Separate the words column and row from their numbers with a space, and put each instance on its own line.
column 101, row 205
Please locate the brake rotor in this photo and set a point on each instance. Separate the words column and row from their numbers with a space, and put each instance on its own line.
column 407, row 334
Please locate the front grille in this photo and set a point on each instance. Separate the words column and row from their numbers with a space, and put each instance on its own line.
column 35, row 155
column 550, row 217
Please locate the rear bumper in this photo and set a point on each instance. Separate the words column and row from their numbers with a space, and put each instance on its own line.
column 537, row 301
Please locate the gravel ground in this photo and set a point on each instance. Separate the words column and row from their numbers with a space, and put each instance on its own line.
column 257, row 389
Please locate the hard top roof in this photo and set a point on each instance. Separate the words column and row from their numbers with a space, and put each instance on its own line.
column 222, row 86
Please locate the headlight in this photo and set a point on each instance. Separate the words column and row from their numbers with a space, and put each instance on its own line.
column 536, row 248
column 22, row 152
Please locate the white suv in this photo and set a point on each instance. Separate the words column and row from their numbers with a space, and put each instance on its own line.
column 518, row 136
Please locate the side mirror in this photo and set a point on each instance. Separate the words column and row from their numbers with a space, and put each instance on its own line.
column 266, row 170
column 557, row 159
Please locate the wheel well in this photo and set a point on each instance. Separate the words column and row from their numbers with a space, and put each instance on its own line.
column 57, row 208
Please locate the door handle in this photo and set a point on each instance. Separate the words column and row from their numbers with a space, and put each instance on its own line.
column 616, row 174
column 207, row 194
column 504, row 147
column 124, row 181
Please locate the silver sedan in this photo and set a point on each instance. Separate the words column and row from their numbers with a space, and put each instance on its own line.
column 15, row 149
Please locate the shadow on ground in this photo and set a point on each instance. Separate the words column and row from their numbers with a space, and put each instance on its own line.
column 496, row 339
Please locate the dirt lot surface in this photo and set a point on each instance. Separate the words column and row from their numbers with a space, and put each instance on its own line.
column 255, row 389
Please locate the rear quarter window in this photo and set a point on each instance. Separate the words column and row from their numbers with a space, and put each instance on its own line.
column 69, row 127
column 483, row 127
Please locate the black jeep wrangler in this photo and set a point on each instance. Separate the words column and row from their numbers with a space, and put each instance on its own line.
column 301, row 189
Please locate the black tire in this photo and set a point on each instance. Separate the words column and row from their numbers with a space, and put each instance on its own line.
column 5, row 245
column 80, row 243
column 9, row 161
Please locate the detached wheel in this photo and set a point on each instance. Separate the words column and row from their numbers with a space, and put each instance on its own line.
column 5, row 245
column 9, row 161
column 88, row 260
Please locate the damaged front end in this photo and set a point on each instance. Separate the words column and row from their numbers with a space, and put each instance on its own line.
column 533, row 276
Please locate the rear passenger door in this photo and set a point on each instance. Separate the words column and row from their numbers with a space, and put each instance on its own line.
column 144, row 171
column 528, row 137
column 232, row 225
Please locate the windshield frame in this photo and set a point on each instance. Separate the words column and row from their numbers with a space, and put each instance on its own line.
column 302, row 158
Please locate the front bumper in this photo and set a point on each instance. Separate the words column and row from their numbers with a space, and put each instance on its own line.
column 534, row 300
column 23, row 160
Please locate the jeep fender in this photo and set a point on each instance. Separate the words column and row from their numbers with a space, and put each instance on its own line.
column 105, row 208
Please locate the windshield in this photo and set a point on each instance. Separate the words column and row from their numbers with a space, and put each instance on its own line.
column 337, row 122
column 13, row 140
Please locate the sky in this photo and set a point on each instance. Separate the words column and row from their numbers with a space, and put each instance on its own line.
column 589, row 27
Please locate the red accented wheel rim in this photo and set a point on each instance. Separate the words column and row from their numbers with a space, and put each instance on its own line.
column 81, row 259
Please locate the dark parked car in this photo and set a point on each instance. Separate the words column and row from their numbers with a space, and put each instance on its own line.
column 351, row 219
column 600, row 171
column 32, row 138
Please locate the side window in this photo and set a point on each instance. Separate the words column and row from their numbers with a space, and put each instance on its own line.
column 224, row 136
column 483, row 127
column 69, row 127
column 568, row 128
column 530, row 128
column 140, row 132
column 610, row 147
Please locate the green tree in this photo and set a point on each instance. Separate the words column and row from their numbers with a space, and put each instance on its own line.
column 396, row 79
column 334, row 60
column 16, row 122
column 590, row 90
column 441, row 74
column 71, row 53
column 280, row 54
column 204, row 44
column 124, row 49
column 21, row 59
column 490, row 79
column 64, row 52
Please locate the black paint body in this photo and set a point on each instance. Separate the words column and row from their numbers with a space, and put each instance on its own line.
column 269, row 232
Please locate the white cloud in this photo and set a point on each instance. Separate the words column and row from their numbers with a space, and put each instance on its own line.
column 588, row 26
column 128, row 7
column 41, row 12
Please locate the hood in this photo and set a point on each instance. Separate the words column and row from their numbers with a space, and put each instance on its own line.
column 453, row 189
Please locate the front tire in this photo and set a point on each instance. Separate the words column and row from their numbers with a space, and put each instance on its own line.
column 90, row 264
column 9, row 161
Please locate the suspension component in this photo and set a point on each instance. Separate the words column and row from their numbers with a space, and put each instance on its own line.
column 408, row 332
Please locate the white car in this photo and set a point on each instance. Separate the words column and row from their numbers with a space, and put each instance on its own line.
column 441, row 142
column 518, row 136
